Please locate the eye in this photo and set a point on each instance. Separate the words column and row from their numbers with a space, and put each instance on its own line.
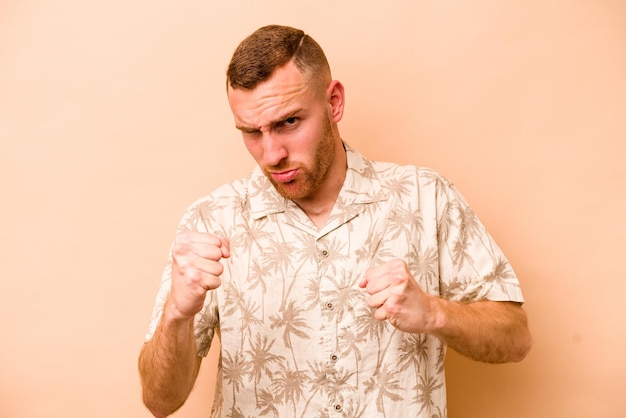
column 250, row 132
column 287, row 122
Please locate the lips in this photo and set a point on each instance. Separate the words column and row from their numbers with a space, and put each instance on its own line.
column 285, row 176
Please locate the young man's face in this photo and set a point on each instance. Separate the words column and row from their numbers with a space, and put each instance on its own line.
column 287, row 128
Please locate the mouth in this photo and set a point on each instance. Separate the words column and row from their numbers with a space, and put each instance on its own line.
column 284, row 176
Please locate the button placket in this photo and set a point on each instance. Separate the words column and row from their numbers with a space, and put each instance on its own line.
column 327, row 296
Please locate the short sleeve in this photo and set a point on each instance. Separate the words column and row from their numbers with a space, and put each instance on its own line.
column 472, row 266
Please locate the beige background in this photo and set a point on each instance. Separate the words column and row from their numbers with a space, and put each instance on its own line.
column 113, row 118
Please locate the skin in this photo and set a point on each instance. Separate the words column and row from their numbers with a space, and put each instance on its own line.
column 289, row 126
column 168, row 363
column 487, row 331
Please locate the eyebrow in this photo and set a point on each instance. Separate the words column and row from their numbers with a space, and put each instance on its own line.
column 250, row 129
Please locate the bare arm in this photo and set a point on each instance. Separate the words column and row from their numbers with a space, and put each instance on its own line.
column 493, row 332
column 168, row 362
column 168, row 366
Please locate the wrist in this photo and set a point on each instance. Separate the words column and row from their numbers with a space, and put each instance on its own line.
column 172, row 315
column 436, row 324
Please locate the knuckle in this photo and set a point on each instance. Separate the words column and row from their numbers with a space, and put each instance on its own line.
column 183, row 236
column 391, row 307
column 180, row 259
column 397, row 263
column 187, row 276
column 396, row 267
column 180, row 248
column 192, row 273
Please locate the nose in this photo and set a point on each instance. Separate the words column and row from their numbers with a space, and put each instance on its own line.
column 274, row 150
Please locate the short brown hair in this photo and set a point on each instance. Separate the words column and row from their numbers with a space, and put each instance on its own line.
column 270, row 47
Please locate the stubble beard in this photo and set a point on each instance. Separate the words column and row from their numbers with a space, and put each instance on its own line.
column 311, row 179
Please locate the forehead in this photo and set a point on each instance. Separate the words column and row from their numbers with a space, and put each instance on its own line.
column 286, row 91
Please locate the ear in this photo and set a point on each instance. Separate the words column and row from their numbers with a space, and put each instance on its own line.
column 335, row 96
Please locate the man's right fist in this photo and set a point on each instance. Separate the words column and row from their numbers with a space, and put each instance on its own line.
column 196, row 269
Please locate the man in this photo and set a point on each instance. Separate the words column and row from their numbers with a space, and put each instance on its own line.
column 334, row 282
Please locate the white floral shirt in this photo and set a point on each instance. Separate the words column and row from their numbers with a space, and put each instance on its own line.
column 297, row 337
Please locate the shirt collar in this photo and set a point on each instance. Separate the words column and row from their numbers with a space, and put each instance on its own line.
column 361, row 186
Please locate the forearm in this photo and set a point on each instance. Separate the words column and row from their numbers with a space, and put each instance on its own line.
column 168, row 366
column 487, row 331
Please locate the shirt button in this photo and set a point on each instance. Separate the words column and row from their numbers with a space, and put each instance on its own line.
column 329, row 306
column 338, row 408
column 334, row 358
column 324, row 253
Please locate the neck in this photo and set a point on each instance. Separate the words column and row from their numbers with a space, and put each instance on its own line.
column 319, row 207
column 319, row 211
